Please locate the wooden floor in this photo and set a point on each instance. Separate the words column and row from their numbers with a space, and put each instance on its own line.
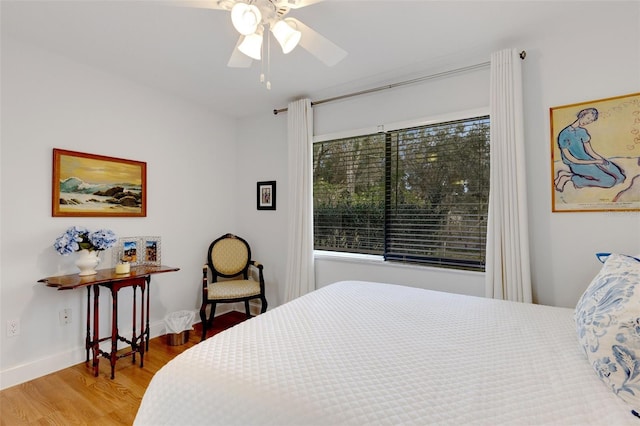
column 73, row 396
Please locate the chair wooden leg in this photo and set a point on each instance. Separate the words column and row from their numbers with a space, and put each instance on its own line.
column 264, row 304
column 208, row 324
column 203, row 321
column 212, row 315
column 247, row 308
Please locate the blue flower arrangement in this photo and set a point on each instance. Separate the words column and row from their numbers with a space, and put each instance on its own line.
column 78, row 238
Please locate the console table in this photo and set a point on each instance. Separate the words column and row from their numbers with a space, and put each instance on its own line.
column 139, row 278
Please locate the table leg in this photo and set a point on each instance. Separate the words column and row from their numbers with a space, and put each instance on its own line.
column 96, row 330
column 146, row 331
column 144, row 335
column 134, row 340
column 87, row 340
column 114, row 330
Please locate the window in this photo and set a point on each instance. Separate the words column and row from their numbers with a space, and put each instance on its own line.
column 416, row 195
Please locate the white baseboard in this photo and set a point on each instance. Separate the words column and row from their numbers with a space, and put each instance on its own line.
column 59, row 361
column 37, row 368
column 41, row 367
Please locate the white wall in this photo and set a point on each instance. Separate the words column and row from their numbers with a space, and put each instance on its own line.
column 50, row 102
column 263, row 157
column 564, row 65
column 201, row 185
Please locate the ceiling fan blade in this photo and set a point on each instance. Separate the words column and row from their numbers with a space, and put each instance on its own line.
column 319, row 46
column 296, row 4
column 239, row 59
column 203, row 4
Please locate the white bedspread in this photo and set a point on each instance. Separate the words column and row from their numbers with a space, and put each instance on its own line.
column 367, row 353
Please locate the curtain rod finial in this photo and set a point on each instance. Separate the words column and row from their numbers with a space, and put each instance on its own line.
column 523, row 54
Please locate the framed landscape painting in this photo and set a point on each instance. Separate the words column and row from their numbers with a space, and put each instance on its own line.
column 95, row 185
column 595, row 155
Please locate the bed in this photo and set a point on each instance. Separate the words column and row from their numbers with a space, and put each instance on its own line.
column 370, row 353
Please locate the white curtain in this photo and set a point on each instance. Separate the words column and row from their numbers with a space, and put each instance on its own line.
column 300, row 274
column 508, row 274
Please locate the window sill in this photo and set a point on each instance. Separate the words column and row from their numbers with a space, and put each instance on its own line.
column 379, row 261
column 348, row 257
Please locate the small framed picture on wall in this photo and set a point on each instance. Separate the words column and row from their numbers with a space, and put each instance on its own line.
column 266, row 195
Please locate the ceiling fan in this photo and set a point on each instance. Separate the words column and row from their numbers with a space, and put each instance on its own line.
column 254, row 19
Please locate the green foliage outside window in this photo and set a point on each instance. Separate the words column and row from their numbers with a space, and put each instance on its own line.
column 412, row 195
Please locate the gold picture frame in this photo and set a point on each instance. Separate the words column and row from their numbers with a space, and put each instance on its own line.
column 88, row 185
column 595, row 155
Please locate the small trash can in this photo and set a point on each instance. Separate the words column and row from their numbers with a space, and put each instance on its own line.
column 178, row 325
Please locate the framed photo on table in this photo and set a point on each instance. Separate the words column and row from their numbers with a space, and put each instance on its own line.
column 128, row 249
column 151, row 250
column 266, row 195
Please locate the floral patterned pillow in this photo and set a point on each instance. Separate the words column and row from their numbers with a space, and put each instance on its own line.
column 608, row 324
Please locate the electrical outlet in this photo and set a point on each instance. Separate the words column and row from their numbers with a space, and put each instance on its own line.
column 65, row 316
column 13, row 327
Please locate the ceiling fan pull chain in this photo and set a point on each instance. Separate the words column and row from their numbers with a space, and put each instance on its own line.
column 262, row 59
column 268, row 61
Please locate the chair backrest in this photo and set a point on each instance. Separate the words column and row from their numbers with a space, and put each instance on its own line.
column 229, row 256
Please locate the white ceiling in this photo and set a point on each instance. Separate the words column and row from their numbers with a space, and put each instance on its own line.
column 184, row 50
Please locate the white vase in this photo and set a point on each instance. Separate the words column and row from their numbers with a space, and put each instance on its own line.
column 87, row 262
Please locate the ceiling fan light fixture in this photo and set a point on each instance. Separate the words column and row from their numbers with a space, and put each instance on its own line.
column 286, row 34
column 245, row 18
column 252, row 45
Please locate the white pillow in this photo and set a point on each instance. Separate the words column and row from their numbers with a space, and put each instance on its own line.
column 608, row 324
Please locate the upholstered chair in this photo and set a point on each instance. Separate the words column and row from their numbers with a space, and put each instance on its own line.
column 232, row 278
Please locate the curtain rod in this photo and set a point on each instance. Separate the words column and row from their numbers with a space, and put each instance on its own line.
column 523, row 55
